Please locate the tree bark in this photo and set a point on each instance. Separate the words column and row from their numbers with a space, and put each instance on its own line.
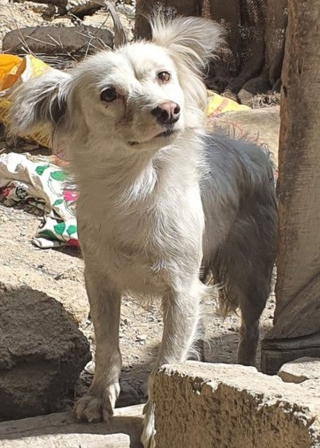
column 296, row 329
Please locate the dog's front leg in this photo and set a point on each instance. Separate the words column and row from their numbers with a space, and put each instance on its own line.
column 99, row 402
column 180, row 315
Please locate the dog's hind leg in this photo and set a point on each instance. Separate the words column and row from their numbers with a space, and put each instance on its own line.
column 99, row 402
column 243, row 264
column 255, row 260
column 251, row 305
column 180, row 315
column 247, row 288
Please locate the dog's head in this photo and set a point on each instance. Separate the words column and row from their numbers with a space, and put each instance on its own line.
column 144, row 94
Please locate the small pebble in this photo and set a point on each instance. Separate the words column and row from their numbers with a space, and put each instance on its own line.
column 141, row 337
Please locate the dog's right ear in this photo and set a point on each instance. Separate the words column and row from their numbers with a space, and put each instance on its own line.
column 39, row 102
column 193, row 38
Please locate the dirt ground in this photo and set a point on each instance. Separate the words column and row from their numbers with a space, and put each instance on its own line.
column 58, row 272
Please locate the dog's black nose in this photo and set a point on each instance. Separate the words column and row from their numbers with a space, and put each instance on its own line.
column 167, row 113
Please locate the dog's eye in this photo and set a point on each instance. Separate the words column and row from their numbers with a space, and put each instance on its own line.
column 109, row 95
column 164, row 77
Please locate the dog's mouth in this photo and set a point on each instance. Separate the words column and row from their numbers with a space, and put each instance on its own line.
column 167, row 133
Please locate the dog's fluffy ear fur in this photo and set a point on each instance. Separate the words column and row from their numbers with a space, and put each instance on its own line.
column 193, row 38
column 41, row 101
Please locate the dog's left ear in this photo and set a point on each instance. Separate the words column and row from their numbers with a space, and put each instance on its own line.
column 41, row 101
column 194, row 38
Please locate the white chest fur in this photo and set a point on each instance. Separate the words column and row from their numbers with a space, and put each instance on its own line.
column 142, row 219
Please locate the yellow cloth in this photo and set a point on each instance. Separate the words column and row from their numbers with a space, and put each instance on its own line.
column 218, row 104
column 14, row 70
column 9, row 66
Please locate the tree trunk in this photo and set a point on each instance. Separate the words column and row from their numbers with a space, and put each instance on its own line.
column 296, row 329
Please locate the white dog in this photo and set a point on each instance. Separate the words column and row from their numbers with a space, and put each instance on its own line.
column 159, row 197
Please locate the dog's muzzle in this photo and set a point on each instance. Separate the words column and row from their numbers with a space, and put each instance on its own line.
column 167, row 113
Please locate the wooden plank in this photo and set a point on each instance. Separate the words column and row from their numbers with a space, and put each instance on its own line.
column 61, row 430
column 298, row 286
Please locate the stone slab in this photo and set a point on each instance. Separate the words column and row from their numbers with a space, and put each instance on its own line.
column 61, row 430
column 232, row 406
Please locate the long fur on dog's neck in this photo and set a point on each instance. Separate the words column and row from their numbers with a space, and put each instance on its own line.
column 119, row 186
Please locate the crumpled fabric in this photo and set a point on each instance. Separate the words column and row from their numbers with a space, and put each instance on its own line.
column 218, row 105
column 13, row 72
column 41, row 184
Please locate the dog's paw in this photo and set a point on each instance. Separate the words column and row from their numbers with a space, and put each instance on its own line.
column 147, row 437
column 94, row 407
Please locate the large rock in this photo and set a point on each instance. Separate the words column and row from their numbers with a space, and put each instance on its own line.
column 231, row 406
column 42, row 353
column 81, row 8
column 54, row 40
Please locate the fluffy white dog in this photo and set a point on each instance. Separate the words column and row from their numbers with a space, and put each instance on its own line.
column 162, row 203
